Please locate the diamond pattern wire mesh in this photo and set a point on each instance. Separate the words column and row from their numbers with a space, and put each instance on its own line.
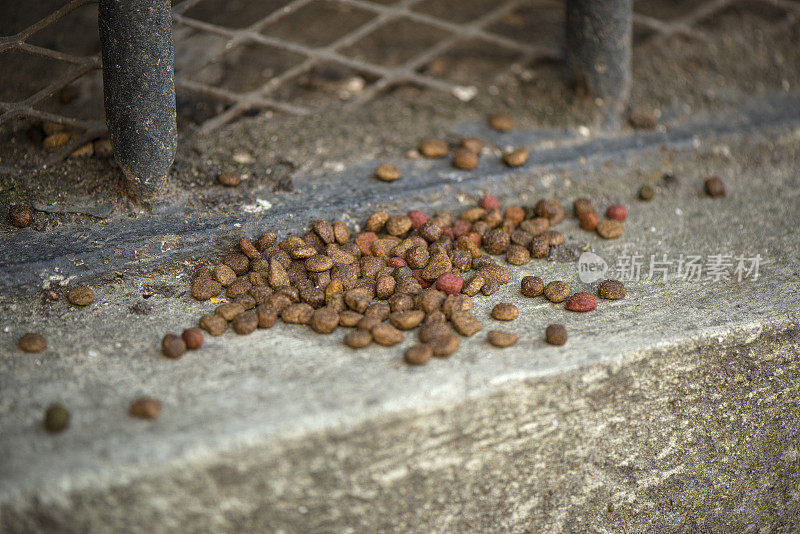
column 217, row 32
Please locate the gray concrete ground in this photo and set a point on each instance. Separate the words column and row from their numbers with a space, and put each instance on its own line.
column 673, row 409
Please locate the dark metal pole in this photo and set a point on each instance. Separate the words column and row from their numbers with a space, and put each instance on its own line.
column 139, row 89
column 599, row 42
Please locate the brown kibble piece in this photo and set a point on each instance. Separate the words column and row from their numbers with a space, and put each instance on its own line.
column 496, row 241
column 358, row 338
column 81, row 295
column 516, row 157
column 229, row 310
column 173, row 346
column 213, row 324
column 20, row 215
column 277, row 276
column 501, row 122
column 349, row 318
column 418, row 354
column 56, row 418
column 145, row 408
column 224, row 275
column 386, row 334
column 376, row 221
column 714, row 187
column 532, row 286
column 553, row 237
column 434, row 329
column 444, row 346
column 398, row 225
column 193, row 338
column 539, row 247
column 517, row 255
column 340, row 232
column 581, row 302
column 299, row 313
column 556, row 334
column 609, row 229
column 266, row 240
column 472, row 144
column 611, row 290
column 501, row 339
column 266, row 316
column 551, row 210
column 238, row 262
column 465, row 159
column 556, row 291
column 588, row 221
column 245, row 323
column 32, row 342
column 465, row 323
column 387, row 172
column 318, row 263
column 582, row 205
column 504, row 311
column 432, row 148
column 324, row 320
column 229, row 178
column 406, row 320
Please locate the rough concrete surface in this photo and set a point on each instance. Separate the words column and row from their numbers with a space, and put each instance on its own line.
column 673, row 409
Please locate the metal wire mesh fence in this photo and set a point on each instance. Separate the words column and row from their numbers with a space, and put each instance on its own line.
column 246, row 56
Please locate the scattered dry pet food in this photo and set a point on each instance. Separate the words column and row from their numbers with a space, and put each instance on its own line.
column 433, row 148
column 229, row 178
column 56, row 418
column 387, row 172
column 20, row 215
column 501, row 122
column 555, row 334
column 173, row 346
column 515, row 157
column 556, row 291
column 193, row 338
column 32, row 342
column 581, row 302
column 531, row 286
column 714, row 187
column 145, row 408
column 617, row 212
column 504, row 311
column 81, row 295
column 472, row 144
column 611, row 290
column 646, row 192
column 418, row 354
column 609, row 229
column 501, row 339
column 465, row 159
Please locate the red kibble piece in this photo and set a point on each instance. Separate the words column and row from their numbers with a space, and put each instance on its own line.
column 514, row 213
column 581, row 302
column 617, row 212
column 193, row 338
column 364, row 242
column 461, row 227
column 448, row 232
column 418, row 218
column 490, row 203
column 449, row 283
column 396, row 262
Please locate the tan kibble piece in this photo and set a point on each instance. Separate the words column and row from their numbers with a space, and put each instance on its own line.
column 444, row 345
column 318, row 263
column 83, row 151
column 432, row 148
column 229, row 179
column 473, row 285
column 56, row 140
column 340, row 232
column 472, row 144
column 299, row 313
column 465, row 323
column 531, row 286
column 557, row 291
column 145, row 408
column 81, row 295
column 387, row 172
column 386, row 334
column 505, row 311
column 32, row 342
column 266, row 315
column 501, row 122
column 430, row 331
column 358, row 338
column 501, row 339
column 213, row 324
column 324, row 320
column 418, row 354
column 229, row 310
column 465, row 159
column 535, row 226
column 406, row 320
column 349, row 318
column 224, row 275
column 173, row 346
column 609, row 229
column 611, row 290
column 553, row 237
column 277, row 276
column 517, row 255
column 516, row 157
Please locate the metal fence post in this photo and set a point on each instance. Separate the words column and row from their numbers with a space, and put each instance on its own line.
column 599, row 42
column 139, row 89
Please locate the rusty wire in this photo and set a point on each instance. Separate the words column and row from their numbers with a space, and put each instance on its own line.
column 384, row 76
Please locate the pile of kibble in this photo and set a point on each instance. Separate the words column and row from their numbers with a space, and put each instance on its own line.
column 403, row 272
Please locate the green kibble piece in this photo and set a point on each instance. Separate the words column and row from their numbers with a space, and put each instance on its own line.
column 402, row 272
column 56, row 418
column 646, row 192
